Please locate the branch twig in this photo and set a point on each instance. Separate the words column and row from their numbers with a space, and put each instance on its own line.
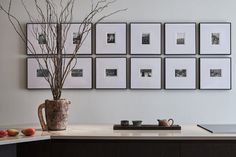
column 49, row 18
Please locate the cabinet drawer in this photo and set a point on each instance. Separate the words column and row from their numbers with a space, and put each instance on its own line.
column 208, row 149
column 114, row 148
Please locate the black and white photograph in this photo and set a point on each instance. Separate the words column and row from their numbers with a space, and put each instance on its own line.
column 111, row 73
column 215, row 73
column 80, row 77
column 111, row 38
column 38, row 39
column 74, row 36
column 145, row 73
column 215, row 38
column 180, row 38
column 42, row 38
column 36, row 74
column 77, row 73
column 145, row 38
column 42, row 73
column 180, row 73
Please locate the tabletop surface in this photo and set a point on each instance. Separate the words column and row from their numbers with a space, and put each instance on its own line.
column 220, row 128
column 106, row 132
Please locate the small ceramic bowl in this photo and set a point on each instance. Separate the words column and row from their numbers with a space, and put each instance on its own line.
column 124, row 123
column 137, row 122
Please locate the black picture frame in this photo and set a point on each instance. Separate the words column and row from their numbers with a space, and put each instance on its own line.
column 195, row 73
column 164, row 38
column 161, row 72
column 27, row 74
column 199, row 66
column 95, row 75
column 199, row 39
column 107, row 23
column 92, row 75
column 27, row 39
column 92, row 41
column 151, row 23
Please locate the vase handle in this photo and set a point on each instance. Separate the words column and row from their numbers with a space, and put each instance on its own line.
column 40, row 115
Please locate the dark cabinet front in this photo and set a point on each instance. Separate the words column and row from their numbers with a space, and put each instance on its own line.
column 208, row 149
column 8, row 150
column 114, row 148
column 125, row 148
column 34, row 149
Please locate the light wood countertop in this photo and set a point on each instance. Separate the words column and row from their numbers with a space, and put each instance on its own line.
column 106, row 132
column 188, row 132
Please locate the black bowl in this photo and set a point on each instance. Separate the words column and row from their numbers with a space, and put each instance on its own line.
column 124, row 123
column 137, row 122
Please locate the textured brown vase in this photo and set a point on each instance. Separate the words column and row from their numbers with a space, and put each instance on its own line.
column 56, row 112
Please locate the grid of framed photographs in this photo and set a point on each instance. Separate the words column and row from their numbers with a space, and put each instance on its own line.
column 80, row 77
column 38, row 34
column 215, row 72
column 145, row 70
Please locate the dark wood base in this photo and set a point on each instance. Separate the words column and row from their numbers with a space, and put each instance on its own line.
column 8, row 150
column 104, row 148
column 127, row 148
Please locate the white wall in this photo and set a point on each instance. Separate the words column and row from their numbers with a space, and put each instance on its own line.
column 19, row 105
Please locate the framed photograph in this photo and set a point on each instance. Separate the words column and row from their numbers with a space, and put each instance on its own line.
column 111, row 73
column 215, row 73
column 145, row 73
column 180, row 38
column 145, row 38
column 215, row 38
column 39, row 35
column 35, row 74
column 180, row 73
column 74, row 35
column 81, row 75
column 111, row 38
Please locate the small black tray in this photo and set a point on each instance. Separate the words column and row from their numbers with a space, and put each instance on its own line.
column 146, row 127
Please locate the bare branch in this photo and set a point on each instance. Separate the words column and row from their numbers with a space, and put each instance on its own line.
column 48, row 22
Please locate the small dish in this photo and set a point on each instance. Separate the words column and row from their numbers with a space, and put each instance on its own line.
column 137, row 123
column 124, row 123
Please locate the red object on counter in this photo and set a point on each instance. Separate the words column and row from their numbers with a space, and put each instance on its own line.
column 28, row 131
column 3, row 133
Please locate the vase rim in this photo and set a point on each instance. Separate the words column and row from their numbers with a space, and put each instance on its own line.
column 57, row 100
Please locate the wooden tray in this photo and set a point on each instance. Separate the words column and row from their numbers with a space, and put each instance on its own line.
column 146, row 127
